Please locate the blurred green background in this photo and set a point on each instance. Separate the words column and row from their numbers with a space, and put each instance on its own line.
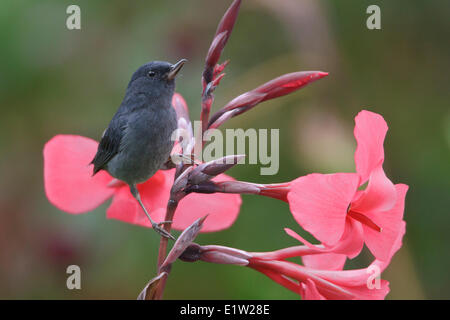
column 54, row 80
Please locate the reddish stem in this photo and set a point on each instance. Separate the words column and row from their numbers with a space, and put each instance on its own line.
column 300, row 274
column 283, row 281
column 291, row 252
column 204, row 115
column 170, row 212
column 277, row 191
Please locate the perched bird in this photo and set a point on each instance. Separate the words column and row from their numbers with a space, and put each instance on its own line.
column 138, row 141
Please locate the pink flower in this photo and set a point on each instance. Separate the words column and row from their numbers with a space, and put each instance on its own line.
column 333, row 209
column 323, row 262
column 317, row 284
column 70, row 186
column 322, row 277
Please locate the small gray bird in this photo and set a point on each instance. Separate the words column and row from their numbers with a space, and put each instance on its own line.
column 138, row 141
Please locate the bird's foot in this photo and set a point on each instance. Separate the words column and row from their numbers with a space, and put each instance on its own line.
column 161, row 231
column 164, row 222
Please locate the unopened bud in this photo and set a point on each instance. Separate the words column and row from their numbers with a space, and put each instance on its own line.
column 207, row 171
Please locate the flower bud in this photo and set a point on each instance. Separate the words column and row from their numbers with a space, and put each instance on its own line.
column 277, row 87
column 207, row 171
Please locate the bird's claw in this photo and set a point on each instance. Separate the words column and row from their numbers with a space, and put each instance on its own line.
column 163, row 222
column 161, row 231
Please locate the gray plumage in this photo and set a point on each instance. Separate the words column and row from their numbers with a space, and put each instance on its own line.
column 137, row 141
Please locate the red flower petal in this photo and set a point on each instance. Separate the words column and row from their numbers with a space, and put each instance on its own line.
column 397, row 245
column 319, row 203
column 180, row 106
column 222, row 209
column 355, row 282
column 364, row 293
column 68, row 180
column 154, row 194
column 352, row 240
column 308, row 291
column 380, row 194
column 384, row 244
column 361, row 292
column 370, row 131
column 350, row 244
column 325, row 261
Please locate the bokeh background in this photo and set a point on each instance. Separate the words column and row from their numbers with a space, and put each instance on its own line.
column 53, row 80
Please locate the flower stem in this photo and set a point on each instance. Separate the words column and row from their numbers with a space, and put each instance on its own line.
column 170, row 212
column 290, row 252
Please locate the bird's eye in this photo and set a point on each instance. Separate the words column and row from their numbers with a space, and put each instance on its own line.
column 151, row 74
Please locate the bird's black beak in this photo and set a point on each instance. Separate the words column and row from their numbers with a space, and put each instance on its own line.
column 175, row 69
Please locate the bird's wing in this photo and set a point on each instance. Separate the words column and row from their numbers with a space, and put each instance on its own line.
column 109, row 145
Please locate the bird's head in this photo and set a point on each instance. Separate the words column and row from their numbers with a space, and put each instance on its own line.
column 156, row 78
